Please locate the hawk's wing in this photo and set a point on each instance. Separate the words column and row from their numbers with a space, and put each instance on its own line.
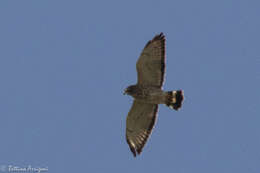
column 151, row 63
column 139, row 124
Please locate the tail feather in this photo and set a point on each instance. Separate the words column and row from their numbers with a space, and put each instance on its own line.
column 175, row 99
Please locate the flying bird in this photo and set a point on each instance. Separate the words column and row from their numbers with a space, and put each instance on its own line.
column 148, row 93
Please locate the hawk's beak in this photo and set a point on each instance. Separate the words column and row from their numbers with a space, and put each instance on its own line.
column 124, row 92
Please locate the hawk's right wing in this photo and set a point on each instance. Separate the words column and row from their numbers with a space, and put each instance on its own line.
column 139, row 124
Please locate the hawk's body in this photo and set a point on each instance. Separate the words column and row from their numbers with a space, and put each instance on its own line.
column 148, row 93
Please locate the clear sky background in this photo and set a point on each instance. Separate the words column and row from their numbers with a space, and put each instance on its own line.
column 64, row 66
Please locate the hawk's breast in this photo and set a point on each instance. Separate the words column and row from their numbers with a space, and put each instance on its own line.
column 153, row 95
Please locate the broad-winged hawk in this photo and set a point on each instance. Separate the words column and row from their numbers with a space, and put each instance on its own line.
column 148, row 93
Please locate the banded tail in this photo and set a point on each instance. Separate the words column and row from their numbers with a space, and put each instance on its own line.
column 174, row 99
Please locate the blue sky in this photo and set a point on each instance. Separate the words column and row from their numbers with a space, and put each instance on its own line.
column 64, row 66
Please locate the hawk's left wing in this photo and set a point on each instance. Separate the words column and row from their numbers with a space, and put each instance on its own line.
column 151, row 63
column 139, row 124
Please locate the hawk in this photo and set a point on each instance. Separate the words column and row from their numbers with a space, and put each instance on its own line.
column 148, row 93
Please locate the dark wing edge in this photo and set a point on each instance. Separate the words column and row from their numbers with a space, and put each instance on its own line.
column 159, row 37
column 136, row 145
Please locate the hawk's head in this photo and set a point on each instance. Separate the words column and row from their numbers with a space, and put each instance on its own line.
column 131, row 90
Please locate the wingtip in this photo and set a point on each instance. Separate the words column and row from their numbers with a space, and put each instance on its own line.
column 134, row 153
column 131, row 147
column 157, row 37
column 160, row 36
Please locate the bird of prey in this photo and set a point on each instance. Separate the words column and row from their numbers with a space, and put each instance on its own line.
column 148, row 93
